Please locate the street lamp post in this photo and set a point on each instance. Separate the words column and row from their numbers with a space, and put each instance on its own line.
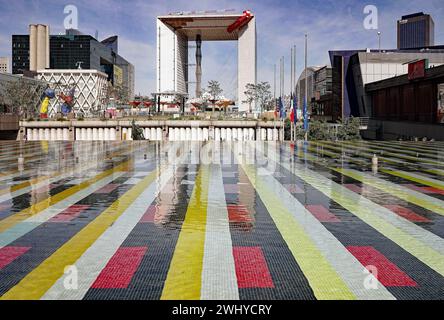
column 379, row 40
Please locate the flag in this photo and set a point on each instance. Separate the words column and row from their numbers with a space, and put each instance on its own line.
column 305, row 116
column 282, row 112
column 295, row 108
column 276, row 110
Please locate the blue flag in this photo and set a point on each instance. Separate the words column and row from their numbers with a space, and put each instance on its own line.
column 305, row 115
column 295, row 109
column 282, row 112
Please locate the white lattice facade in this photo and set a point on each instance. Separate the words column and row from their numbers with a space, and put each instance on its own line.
column 90, row 89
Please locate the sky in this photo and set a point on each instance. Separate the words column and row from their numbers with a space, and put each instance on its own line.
column 330, row 24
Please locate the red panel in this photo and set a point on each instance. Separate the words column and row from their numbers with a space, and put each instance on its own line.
column 149, row 215
column 108, row 188
column 238, row 213
column 417, row 70
column 322, row 214
column 433, row 190
column 292, row 188
column 251, row 268
column 70, row 213
column 416, row 188
column 406, row 213
column 388, row 273
column 120, row 270
column 353, row 187
column 9, row 254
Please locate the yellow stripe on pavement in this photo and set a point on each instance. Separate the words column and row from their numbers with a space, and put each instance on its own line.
column 40, row 280
column 323, row 279
column 394, row 190
column 184, row 279
column 425, row 181
column 46, row 203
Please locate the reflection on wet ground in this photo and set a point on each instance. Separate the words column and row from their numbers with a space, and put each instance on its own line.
column 143, row 220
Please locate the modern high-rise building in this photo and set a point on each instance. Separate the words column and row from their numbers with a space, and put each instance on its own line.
column 177, row 32
column 20, row 54
column 4, row 65
column 73, row 50
column 416, row 31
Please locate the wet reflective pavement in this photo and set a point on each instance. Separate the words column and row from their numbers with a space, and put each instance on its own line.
column 229, row 221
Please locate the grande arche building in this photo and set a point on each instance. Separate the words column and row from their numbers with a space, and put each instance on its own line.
column 177, row 32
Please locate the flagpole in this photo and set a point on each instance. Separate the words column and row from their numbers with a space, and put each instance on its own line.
column 294, row 101
column 274, row 95
column 306, row 90
column 283, row 96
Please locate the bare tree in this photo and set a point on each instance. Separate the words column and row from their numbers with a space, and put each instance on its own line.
column 251, row 94
column 22, row 96
column 214, row 90
column 118, row 93
column 259, row 93
column 264, row 96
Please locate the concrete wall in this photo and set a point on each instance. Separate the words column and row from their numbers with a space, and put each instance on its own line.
column 115, row 130
column 166, row 59
column 247, row 61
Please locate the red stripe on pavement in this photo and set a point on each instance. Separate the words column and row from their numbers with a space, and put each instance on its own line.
column 387, row 272
column 251, row 268
column 238, row 213
column 119, row 271
column 70, row 214
column 108, row 188
column 149, row 215
column 322, row 213
column 9, row 254
column 353, row 187
column 406, row 213
column 416, row 188
column 433, row 190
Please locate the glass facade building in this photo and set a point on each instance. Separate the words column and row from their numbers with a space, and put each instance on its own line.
column 20, row 54
column 72, row 50
column 416, row 31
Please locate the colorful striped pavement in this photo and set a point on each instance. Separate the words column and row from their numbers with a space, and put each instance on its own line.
column 221, row 221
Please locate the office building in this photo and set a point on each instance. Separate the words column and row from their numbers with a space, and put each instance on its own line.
column 20, row 54
column 416, row 31
column 354, row 69
column 319, row 102
column 5, row 65
column 176, row 31
column 90, row 89
column 72, row 50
